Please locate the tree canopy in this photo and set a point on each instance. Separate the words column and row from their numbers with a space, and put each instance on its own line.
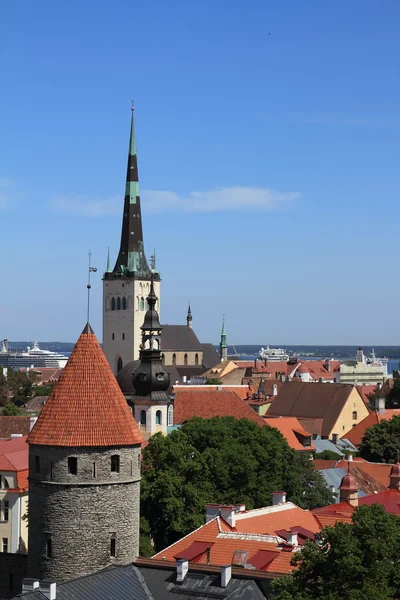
column 381, row 443
column 358, row 561
column 17, row 386
column 11, row 410
column 328, row 455
column 220, row 460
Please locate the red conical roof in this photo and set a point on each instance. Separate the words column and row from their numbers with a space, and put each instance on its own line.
column 86, row 406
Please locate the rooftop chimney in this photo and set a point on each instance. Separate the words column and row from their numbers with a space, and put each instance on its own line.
column 380, row 405
column 395, row 477
column 48, row 589
column 29, row 584
column 349, row 490
column 328, row 364
column 278, row 498
column 226, row 574
column 184, row 379
column 182, row 568
column 274, row 389
column 32, row 421
column 291, row 538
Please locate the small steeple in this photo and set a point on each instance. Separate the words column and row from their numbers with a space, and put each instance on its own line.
column 189, row 317
column 108, row 269
column 261, row 389
column 151, row 381
column 223, row 346
column 131, row 260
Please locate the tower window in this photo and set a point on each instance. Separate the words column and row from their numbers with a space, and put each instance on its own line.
column 6, row 509
column 124, row 303
column 163, row 358
column 170, row 415
column 112, row 303
column 72, row 465
column 118, row 303
column 113, row 546
column 94, row 470
column 48, row 547
column 37, row 463
column 51, row 470
column 185, row 360
column 113, row 336
column 354, row 414
column 115, row 463
column 123, row 336
column 119, row 364
column 159, row 417
column 142, row 303
column 196, row 359
column 143, row 417
column 5, row 544
column 174, row 359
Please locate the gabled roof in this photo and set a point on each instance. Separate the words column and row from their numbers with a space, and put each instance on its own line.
column 289, row 427
column 210, row 356
column 356, row 433
column 312, row 401
column 86, row 406
column 13, row 425
column 208, row 404
column 379, row 472
column 389, row 499
column 179, row 338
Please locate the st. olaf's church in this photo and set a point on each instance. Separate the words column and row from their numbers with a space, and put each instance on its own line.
column 125, row 291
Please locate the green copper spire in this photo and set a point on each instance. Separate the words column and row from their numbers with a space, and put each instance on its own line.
column 223, row 346
column 108, row 269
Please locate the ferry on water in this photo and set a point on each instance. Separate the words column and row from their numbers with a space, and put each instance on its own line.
column 32, row 357
column 273, row 354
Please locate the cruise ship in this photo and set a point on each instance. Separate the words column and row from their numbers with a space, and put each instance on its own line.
column 274, row 354
column 33, row 357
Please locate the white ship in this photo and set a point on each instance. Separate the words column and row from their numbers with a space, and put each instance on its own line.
column 32, row 357
column 273, row 354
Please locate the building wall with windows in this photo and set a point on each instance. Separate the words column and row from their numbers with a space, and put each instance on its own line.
column 124, row 307
column 153, row 418
column 13, row 501
column 83, row 511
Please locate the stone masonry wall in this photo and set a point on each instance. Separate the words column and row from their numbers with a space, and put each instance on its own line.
column 81, row 513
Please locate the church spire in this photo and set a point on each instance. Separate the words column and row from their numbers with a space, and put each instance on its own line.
column 131, row 260
column 223, row 346
column 189, row 317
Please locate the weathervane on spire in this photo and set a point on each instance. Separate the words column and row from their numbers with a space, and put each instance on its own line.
column 90, row 270
column 132, row 105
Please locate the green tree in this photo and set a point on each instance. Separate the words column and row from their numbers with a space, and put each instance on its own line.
column 327, row 455
column 221, row 460
column 393, row 395
column 11, row 410
column 45, row 389
column 357, row 562
column 381, row 443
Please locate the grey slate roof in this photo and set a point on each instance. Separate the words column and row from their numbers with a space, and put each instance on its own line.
column 150, row 583
column 321, row 445
column 179, row 338
column 202, row 586
column 333, row 477
column 116, row 583
column 210, row 356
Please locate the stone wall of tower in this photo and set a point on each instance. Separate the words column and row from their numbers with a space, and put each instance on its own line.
column 121, row 328
column 80, row 513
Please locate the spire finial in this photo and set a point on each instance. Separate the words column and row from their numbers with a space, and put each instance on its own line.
column 90, row 270
column 132, row 105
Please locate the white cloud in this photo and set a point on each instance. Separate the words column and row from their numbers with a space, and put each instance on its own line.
column 244, row 199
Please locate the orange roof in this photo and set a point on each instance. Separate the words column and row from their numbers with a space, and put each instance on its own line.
column 289, row 426
column 377, row 471
column 223, row 545
column 318, row 369
column 200, row 403
column 364, row 391
column 356, row 433
column 86, row 406
column 260, row 522
column 14, row 454
column 243, row 391
column 320, row 464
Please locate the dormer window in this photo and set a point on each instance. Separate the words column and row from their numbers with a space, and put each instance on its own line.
column 160, row 376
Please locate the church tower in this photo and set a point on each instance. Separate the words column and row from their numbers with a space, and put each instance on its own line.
column 152, row 405
column 126, row 286
column 84, row 472
column 223, row 346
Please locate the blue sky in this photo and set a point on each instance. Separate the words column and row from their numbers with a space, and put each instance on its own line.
column 268, row 164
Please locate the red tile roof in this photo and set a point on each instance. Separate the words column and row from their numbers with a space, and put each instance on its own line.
column 86, row 406
column 12, row 425
column 318, row 369
column 289, row 426
column 194, row 403
column 243, row 391
column 312, row 401
column 378, row 472
column 320, row 464
column 356, row 433
column 364, row 391
column 389, row 499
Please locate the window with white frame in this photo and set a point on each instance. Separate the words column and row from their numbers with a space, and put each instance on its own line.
column 170, row 415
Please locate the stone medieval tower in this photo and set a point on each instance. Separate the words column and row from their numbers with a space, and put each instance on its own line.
column 84, row 472
column 126, row 287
